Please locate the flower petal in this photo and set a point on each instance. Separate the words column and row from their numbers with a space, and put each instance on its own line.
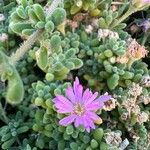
column 67, row 120
column 85, row 123
column 93, row 106
column 63, row 108
column 70, row 94
column 78, row 93
column 78, row 121
column 78, row 90
column 63, row 99
column 75, row 84
column 93, row 115
column 88, row 129
column 88, row 123
column 104, row 98
column 64, row 111
column 63, row 105
column 86, row 95
column 92, row 98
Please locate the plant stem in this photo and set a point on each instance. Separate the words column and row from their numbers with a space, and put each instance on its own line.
column 122, row 18
column 25, row 46
column 34, row 37
column 1, row 68
column 144, row 39
column 52, row 7
column 3, row 114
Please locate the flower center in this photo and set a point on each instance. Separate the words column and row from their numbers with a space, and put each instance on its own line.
column 79, row 109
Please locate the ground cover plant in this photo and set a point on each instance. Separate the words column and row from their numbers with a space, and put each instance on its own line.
column 74, row 74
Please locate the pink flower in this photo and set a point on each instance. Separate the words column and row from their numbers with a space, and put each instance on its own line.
column 80, row 106
column 145, row 25
column 147, row 1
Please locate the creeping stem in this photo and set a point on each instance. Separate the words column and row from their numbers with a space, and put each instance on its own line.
column 146, row 35
column 34, row 37
column 20, row 52
column 53, row 6
column 130, row 11
column 25, row 46
column 3, row 114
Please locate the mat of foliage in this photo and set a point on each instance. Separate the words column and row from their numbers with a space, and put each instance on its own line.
column 74, row 74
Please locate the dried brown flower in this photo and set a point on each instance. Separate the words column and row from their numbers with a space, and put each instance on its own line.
column 145, row 99
column 135, row 50
column 73, row 24
column 80, row 16
column 122, row 59
column 110, row 104
column 142, row 117
column 135, row 109
column 94, row 22
column 135, row 90
column 104, row 33
column 146, row 81
column 114, row 8
column 134, row 28
column 134, row 135
column 113, row 138
column 3, row 37
column 131, row 106
column 2, row 17
column 89, row 29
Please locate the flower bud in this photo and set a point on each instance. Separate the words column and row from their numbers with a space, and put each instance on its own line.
column 139, row 4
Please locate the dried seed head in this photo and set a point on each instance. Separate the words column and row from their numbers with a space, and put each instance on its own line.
column 113, row 138
column 134, row 28
column 80, row 16
column 89, row 29
column 72, row 24
column 131, row 106
column 134, row 135
column 142, row 117
column 110, row 104
column 146, row 81
column 135, row 50
column 94, row 22
column 135, row 90
column 114, row 8
column 2, row 17
column 3, row 37
column 122, row 59
column 136, row 109
column 145, row 99
column 104, row 33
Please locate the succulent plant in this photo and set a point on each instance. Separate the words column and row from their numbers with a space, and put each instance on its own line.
column 47, row 47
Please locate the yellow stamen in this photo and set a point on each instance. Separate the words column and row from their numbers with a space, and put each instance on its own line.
column 79, row 109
